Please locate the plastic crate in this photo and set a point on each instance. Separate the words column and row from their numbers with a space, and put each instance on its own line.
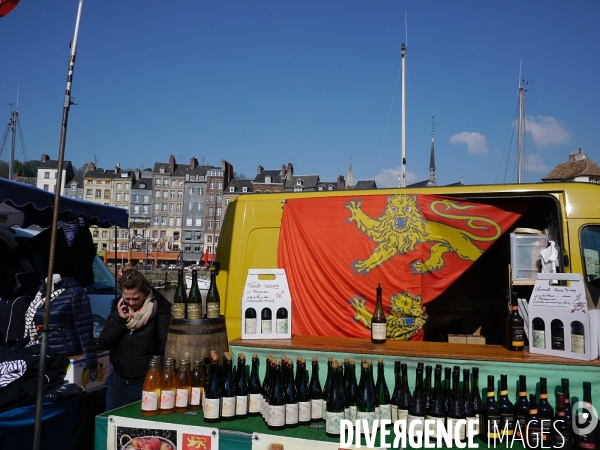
column 525, row 256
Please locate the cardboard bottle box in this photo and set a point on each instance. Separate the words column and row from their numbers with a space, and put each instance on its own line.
column 77, row 374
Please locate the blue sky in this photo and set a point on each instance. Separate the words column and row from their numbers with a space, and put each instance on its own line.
column 308, row 82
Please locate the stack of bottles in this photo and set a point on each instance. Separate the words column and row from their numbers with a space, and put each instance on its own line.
column 189, row 306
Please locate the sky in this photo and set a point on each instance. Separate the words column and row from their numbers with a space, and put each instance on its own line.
column 314, row 83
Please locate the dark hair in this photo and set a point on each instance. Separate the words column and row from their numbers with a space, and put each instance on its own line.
column 132, row 279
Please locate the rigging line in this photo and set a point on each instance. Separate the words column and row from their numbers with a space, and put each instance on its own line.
column 412, row 91
column 5, row 135
column 19, row 126
column 535, row 153
column 512, row 135
column 389, row 115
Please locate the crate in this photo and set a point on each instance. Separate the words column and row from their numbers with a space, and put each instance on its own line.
column 525, row 256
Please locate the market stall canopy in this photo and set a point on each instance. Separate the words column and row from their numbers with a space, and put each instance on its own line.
column 37, row 206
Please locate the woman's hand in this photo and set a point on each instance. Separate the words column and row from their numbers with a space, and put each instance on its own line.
column 123, row 309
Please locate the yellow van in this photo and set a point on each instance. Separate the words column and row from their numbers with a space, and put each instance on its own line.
column 566, row 213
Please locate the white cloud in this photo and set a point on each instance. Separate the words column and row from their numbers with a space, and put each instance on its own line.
column 534, row 165
column 389, row 177
column 546, row 131
column 475, row 142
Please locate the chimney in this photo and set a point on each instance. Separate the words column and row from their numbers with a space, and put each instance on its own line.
column 172, row 164
column 260, row 169
column 45, row 158
column 15, row 176
column 138, row 174
column 193, row 163
column 341, row 183
column 116, row 169
column 88, row 167
column 290, row 169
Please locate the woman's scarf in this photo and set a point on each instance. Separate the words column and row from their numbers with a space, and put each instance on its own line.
column 137, row 319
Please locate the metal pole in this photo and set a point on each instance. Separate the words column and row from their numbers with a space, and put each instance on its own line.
column 521, row 133
column 37, row 431
column 11, row 164
column 403, row 175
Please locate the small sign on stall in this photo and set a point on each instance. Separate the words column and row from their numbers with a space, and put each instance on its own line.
column 266, row 305
column 562, row 319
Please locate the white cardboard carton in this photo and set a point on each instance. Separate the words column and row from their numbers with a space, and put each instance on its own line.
column 266, row 288
column 75, row 372
column 568, row 304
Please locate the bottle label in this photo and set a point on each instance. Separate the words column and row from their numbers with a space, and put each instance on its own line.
column 181, row 398
column 167, row 399
column 377, row 413
column 324, row 412
column 450, row 424
column 262, row 406
column 577, row 343
column 291, row 414
column 518, row 336
column 493, row 427
column 211, row 408
column 178, row 310
column 213, row 310
column 507, row 423
column 385, row 412
column 546, row 427
column 394, row 413
column 368, row 416
column 332, row 424
column 276, row 415
column 228, row 406
column 522, row 425
column 193, row 311
column 241, row 405
column 266, row 326
column 477, row 424
column 539, row 339
column 196, row 398
column 316, row 411
column 433, row 427
column 402, row 414
column 379, row 331
column 304, row 411
column 250, row 326
column 254, row 403
column 353, row 413
column 149, row 401
column 418, row 426
column 533, row 437
column 282, row 326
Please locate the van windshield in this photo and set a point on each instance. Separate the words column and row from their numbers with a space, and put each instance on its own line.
column 590, row 246
column 104, row 281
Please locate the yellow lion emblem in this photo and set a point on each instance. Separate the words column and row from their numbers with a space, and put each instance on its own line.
column 407, row 315
column 402, row 227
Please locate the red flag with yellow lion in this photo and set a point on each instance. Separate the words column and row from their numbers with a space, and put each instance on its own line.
column 336, row 249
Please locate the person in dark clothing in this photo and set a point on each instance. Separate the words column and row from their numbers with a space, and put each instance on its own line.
column 135, row 330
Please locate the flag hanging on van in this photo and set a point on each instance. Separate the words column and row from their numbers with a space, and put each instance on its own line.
column 336, row 249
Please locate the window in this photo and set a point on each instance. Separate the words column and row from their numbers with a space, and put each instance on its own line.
column 180, row 183
column 46, row 175
column 257, row 191
column 231, row 189
column 220, row 185
column 173, row 183
column 210, row 211
column 244, row 189
column 46, row 187
column 89, row 181
column 191, row 191
column 162, row 170
column 154, row 234
column 210, row 224
column 179, row 207
column 188, row 222
column 218, row 211
column 136, row 209
column 298, row 189
column 127, row 186
column 163, row 234
column 196, row 248
column 209, row 249
column 163, row 221
column 219, row 197
column 136, row 198
column 95, row 233
column 88, row 192
column 98, row 181
column 171, row 221
column 118, row 196
column 212, row 185
column 165, row 182
column 98, row 193
column 126, row 196
column 198, row 222
column 190, row 206
column 104, row 234
column 218, row 224
column 171, row 207
column 106, row 194
column 178, row 222
column 156, row 194
column 146, row 199
column 211, row 197
column 199, row 206
column 165, row 194
column 330, row 188
column 146, row 209
column 216, row 240
column 320, row 188
column 164, row 207
column 124, row 175
column 155, row 221
column 157, row 181
column 172, row 195
column 267, row 179
column 227, row 200
column 74, row 187
column 197, row 235
column 187, row 248
column 179, row 195
column 119, row 185
column 124, row 234
column 209, row 239
column 157, row 207
column 200, row 191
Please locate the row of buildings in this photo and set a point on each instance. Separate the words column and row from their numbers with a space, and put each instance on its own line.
column 175, row 209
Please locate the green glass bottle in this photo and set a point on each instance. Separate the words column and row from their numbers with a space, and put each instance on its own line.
column 194, row 300
column 213, row 300
column 180, row 299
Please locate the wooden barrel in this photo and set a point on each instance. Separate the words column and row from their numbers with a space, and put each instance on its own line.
column 193, row 340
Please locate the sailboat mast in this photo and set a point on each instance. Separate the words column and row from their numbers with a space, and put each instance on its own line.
column 403, row 175
column 521, row 132
column 13, row 127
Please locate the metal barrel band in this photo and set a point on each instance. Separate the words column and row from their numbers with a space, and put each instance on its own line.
column 198, row 332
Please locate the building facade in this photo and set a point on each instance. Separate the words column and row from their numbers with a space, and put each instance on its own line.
column 47, row 174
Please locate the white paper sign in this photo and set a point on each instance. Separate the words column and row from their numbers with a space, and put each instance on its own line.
column 266, row 305
column 131, row 434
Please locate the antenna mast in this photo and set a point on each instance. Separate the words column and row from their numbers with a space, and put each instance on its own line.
column 521, row 131
column 403, row 53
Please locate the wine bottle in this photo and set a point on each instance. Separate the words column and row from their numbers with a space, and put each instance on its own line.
column 371, row 384
column 416, row 412
column 180, row 298
column 265, row 388
column 477, row 403
column 447, row 390
column 396, row 392
column 298, row 373
column 352, row 391
column 467, row 400
column 281, row 321
column 378, row 322
column 151, row 390
column 521, row 408
column 266, row 321
column 211, row 403
column 276, row 419
column 241, row 389
column 316, row 393
column 213, row 300
column 304, row 407
column 515, row 326
column 250, row 321
column 457, row 411
column 568, row 411
column 228, row 396
column 539, row 332
column 507, row 412
column 545, row 412
column 562, row 428
column 183, row 386
column 366, row 400
column 254, row 389
column 492, row 424
column 326, row 386
column 198, row 383
column 405, row 395
column 335, row 403
column 383, row 394
column 291, row 397
column 557, row 330
column 577, row 337
column 343, row 389
column 194, row 299
column 586, row 439
column 533, row 435
column 436, row 409
column 428, row 393
column 167, row 388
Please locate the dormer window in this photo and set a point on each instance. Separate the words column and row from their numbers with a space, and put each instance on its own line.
column 330, row 188
column 267, row 179
column 299, row 182
column 231, row 189
column 320, row 188
column 244, row 189
column 124, row 174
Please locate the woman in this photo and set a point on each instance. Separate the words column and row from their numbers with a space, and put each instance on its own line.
column 135, row 330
